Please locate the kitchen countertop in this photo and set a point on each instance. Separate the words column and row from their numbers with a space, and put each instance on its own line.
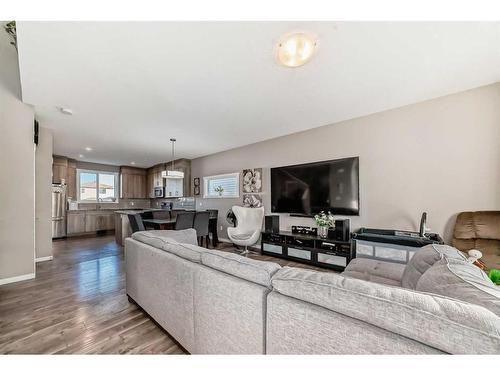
column 125, row 211
column 112, row 209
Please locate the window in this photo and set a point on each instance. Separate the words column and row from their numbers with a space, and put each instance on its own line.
column 222, row 186
column 96, row 186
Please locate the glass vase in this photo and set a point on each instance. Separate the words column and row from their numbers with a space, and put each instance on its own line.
column 323, row 232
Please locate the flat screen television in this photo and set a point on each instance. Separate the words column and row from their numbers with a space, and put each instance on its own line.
column 307, row 189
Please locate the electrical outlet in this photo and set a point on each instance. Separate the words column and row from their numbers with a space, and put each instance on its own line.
column 221, row 227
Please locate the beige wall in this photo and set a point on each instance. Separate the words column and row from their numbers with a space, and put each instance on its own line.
column 17, row 172
column 43, row 195
column 441, row 156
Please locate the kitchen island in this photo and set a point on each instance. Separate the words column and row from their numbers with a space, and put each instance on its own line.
column 123, row 229
column 122, row 225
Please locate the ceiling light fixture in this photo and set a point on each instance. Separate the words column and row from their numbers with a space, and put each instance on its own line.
column 88, row 148
column 80, row 156
column 66, row 111
column 132, row 162
column 296, row 49
column 173, row 173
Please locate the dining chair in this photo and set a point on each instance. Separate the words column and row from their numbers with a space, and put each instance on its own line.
column 212, row 225
column 201, row 220
column 173, row 213
column 136, row 222
column 146, row 216
column 213, row 213
column 162, row 214
column 184, row 220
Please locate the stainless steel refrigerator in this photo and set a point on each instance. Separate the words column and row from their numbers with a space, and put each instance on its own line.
column 58, row 210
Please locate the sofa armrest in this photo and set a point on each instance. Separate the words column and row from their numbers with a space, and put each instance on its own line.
column 443, row 323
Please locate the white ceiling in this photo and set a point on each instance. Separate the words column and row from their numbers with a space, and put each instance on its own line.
column 216, row 85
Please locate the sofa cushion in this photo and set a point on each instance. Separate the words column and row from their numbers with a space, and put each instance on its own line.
column 423, row 259
column 464, row 226
column 461, row 280
column 375, row 271
column 479, row 224
column 444, row 323
column 256, row 271
column 487, row 224
column 166, row 240
column 187, row 251
column 464, row 245
column 490, row 250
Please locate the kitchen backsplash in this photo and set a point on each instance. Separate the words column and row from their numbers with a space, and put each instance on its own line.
column 178, row 203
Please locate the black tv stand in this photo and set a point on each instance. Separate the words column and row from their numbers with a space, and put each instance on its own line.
column 314, row 250
column 300, row 215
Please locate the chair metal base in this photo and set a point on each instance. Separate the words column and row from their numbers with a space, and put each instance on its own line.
column 246, row 251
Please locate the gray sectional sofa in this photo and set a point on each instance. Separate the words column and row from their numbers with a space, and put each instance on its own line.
column 214, row 302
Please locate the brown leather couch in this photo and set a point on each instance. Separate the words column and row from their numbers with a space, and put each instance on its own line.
column 479, row 230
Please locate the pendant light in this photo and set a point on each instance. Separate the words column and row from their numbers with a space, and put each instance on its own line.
column 173, row 173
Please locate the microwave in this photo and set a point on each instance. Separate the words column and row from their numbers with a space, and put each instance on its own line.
column 159, row 192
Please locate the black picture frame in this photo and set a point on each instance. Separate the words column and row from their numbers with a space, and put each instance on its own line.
column 196, row 181
column 196, row 190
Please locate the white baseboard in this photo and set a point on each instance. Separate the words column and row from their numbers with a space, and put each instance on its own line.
column 44, row 259
column 17, row 278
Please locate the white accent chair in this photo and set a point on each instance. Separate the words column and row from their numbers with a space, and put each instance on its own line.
column 249, row 226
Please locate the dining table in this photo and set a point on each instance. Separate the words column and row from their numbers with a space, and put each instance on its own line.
column 170, row 224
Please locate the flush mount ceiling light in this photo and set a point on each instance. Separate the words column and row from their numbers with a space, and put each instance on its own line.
column 88, row 148
column 296, row 49
column 66, row 111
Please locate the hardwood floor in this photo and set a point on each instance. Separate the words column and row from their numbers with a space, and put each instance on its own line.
column 77, row 304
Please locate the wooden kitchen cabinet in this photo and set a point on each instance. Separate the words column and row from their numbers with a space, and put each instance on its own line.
column 158, row 179
column 98, row 220
column 71, row 179
column 173, row 188
column 79, row 222
column 150, row 184
column 59, row 169
column 133, row 183
column 91, row 222
column 154, row 179
column 75, row 222
column 107, row 221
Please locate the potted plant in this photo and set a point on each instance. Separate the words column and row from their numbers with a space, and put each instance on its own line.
column 219, row 189
column 323, row 221
column 494, row 275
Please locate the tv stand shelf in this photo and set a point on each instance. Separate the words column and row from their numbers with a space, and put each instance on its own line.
column 320, row 252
